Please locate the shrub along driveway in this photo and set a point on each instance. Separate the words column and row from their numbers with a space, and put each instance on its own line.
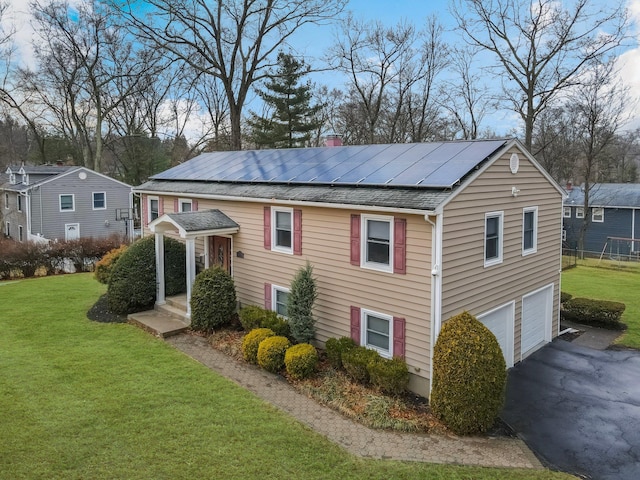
column 579, row 409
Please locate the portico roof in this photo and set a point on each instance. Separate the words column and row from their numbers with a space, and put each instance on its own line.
column 195, row 224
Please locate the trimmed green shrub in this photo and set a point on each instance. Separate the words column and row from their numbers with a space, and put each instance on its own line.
column 253, row 316
column 251, row 342
column 106, row 263
column 356, row 363
column 132, row 285
column 600, row 313
column 335, row 347
column 213, row 299
column 469, row 375
column 271, row 352
column 389, row 375
column 302, row 295
column 301, row 360
column 565, row 297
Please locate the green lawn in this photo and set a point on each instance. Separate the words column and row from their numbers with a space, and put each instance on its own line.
column 84, row 400
column 607, row 280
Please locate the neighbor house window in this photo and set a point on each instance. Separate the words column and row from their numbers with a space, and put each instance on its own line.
column 564, row 235
column 493, row 238
column 99, row 200
column 185, row 205
column 154, row 208
column 377, row 242
column 20, row 233
column 12, row 178
column 566, row 212
column 579, row 212
column 597, row 215
column 19, row 202
column 529, row 230
column 377, row 332
column 280, row 297
column 282, row 231
column 6, row 200
column 7, row 229
column 67, row 203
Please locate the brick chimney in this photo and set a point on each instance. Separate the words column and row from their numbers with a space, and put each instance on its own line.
column 569, row 186
column 333, row 141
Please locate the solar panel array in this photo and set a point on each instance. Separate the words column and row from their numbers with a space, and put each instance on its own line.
column 437, row 165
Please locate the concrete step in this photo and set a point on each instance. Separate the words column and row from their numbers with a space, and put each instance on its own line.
column 179, row 301
column 177, row 312
column 158, row 323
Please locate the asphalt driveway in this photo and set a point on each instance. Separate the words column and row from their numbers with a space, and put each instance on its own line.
column 578, row 409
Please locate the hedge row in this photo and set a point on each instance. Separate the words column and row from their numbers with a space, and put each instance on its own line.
column 600, row 313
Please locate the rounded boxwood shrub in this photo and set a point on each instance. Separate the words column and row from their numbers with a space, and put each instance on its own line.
column 251, row 342
column 213, row 299
column 271, row 352
column 253, row 316
column 565, row 297
column 469, row 375
column 335, row 347
column 356, row 362
column 301, row 360
column 132, row 285
column 389, row 375
column 106, row 263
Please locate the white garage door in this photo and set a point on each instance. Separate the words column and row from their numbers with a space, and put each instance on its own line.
column 537, row 312
column 500, row 322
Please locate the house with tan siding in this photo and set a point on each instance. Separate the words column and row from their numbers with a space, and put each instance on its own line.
column 401, row 238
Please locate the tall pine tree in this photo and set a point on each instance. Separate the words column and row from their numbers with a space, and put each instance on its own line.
column 292, row 117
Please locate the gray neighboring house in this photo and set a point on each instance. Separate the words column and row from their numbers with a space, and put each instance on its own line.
column 613, row 214
column 57, row 202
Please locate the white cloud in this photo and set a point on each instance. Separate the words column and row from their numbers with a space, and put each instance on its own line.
column 629, row 64
column 17, row 17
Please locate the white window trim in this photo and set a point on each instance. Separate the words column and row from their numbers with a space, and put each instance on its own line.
column 12, row 178
column 498, row 260
column 564, row 235
column 566, row 212
column 73, row 202
column 593, row 214
column 382, row 267
column 25, row 179
column 363, row 331
column 274, row 234
column 579, row 212
column 6, row 200
column 93, row 201
column 274, row 303
column 18, row 202
column 149, row 199
column 183, row 201
column 20, row 233
column 534, row 248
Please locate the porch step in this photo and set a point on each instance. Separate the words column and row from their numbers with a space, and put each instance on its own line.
column 158, row 323
column 177, row 312
column 179, row 301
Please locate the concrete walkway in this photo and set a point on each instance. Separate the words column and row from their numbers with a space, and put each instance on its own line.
column 355, row 438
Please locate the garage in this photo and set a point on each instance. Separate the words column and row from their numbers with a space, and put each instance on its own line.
column 500, row 322
column 537, row 313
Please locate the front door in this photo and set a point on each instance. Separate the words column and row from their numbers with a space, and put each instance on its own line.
column 220, row 252
column 71, row 231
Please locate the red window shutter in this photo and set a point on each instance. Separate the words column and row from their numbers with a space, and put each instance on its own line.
column 355, row 240
column 267, row 228
column 355, row 324
column 176, row 205
column 398, row 337
column 400, row 246
column 160, row 206
column 267, row 296
column 194, row 205
column 297, row 232
column 145, row 210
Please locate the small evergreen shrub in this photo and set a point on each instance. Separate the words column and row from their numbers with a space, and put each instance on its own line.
column 335, row 347
column 565, row 297
column 302, row 295
column 251, row 342
column 253, row 316
column 106, row 263
column 132, row 285
column 469, row 375
column 213, row 300
column 389, row 375
column 271, row 352
column 356, row 363
column 301, row 360
column 600, row 313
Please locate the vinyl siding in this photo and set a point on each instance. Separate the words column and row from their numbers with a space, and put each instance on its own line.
column 12, row 216
column 466, row 283
column 618, row 222
column 326, row 245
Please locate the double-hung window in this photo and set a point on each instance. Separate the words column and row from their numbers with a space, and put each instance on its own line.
column 280, row 297
column 20, row 233
column 154, row 208
column 282, row 231
column 99, row 200
column 185, row 205
column 377, row 242
column 566, row 212
column 493, row 238
column 377, row 332
column 579, row 212
column 6, row 200
column 597, row 214
column 67, row 203
column 19, row 202
column 529, row 230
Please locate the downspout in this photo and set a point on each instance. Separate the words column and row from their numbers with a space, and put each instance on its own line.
column 436, row 286
column 27, row 200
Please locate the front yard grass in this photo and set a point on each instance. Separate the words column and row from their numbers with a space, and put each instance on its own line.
column 81, row 399
column 607, row 280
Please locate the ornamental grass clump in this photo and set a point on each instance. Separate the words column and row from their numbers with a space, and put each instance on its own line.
column 301, row 360
column 213, row 300
column 271, row 352
column 251, row 342
column 469, row 376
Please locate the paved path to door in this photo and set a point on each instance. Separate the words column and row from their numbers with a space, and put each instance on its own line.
column 579, row 409
column 355, row 438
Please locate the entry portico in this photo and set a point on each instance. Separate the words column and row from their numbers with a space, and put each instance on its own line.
column 189, row 226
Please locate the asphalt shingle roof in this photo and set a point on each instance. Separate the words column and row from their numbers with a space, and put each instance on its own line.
column 607, row 195
column 204, row 220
